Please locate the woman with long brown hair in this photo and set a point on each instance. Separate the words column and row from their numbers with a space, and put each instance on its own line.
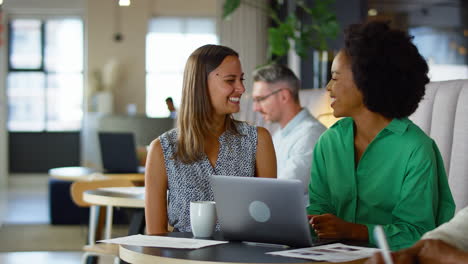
column 207, row 141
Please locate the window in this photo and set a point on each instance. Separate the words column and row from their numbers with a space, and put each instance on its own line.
column 444, row 50
column 45, row 76
column 169, row 43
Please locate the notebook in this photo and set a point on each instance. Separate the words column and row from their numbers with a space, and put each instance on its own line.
column 263, row 210
column 118, row 152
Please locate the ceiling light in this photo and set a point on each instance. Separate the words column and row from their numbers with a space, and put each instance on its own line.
column 1, row 2
column 121, row 2
column 372, row 12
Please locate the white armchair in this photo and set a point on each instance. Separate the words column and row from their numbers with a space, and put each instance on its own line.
column 443, row 115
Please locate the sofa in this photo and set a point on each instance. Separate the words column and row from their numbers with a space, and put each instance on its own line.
column 443, row 115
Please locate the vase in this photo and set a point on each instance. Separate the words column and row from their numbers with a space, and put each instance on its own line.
column 103, row 102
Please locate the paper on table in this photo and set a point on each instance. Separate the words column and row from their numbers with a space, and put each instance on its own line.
column 125, row 190
column 163, row 241
column 336, row 252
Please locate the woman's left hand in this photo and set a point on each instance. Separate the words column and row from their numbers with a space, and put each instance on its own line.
column 331, row 226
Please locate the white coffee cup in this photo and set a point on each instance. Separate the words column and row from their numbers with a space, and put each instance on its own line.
column 203, row 218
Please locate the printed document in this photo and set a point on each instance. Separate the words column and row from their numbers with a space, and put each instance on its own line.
column 163, row 241
column 336, row 252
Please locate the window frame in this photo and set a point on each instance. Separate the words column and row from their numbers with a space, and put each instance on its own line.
column 42, row 69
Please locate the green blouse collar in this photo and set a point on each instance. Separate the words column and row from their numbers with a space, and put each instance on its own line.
column 397, row 125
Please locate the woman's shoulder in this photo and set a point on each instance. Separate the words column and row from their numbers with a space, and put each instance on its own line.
column 262, row 133
column 337, row 129
column 415, row 135
column 246, row 129
column 168, row 138
column 244, row 126
column 169, row 135
column 342, row 123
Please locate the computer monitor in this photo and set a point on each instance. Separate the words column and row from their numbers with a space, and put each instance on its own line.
column 118, row 152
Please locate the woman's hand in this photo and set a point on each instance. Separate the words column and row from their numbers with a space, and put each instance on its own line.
column 330, row 226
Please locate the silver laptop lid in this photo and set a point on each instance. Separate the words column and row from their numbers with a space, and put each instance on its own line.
column 262, row 210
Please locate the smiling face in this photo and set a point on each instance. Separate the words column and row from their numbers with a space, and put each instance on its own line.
column 346, row 98
column 265, row 100
column 225, row 86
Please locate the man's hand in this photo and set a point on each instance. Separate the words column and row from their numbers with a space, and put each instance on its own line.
column 398, row 258
column 426, row 251
column 437, row 251
column 406, row 256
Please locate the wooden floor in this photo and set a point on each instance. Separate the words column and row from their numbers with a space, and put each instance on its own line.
column 25, row 202
column 40, row 257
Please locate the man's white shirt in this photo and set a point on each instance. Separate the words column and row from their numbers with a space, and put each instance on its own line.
column 294, row 145
column 454, row 232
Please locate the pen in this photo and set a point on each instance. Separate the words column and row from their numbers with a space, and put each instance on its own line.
column 379, row 236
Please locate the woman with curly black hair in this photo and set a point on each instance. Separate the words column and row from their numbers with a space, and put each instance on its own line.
column 375, row 166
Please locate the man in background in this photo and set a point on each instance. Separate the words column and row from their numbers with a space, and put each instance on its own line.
column 276, row 98
column 171, row 108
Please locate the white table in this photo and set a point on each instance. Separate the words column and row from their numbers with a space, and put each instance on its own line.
column 230, row 253
column 89, row 174
column 129, row 197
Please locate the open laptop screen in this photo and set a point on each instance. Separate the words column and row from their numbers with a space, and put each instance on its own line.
column 118, row 152
column 262, row 210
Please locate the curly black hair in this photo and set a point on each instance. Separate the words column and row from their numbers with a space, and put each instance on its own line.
column 387, row 68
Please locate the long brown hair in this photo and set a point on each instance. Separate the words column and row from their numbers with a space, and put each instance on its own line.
column 196, row 111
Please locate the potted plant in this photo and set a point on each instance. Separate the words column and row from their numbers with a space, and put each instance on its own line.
column 293, row 29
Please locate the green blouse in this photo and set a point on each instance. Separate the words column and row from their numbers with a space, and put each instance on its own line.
column 399, row 183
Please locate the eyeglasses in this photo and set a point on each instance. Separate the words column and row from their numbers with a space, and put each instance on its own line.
column 262, row 98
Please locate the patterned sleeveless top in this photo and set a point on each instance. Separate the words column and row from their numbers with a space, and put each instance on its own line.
column 190, row 182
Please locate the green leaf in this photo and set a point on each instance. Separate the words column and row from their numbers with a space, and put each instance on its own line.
column 288, row 27
column 301, row 46
column 278, row 42
column 273, row 15
column 331, row 29
column 229, row 7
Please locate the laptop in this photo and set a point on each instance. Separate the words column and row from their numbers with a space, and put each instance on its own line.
column 118, row 152
column 263, row 210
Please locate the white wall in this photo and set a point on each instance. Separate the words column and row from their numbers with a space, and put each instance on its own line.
column 184, row 7
column 43, row 6
column 130, row 52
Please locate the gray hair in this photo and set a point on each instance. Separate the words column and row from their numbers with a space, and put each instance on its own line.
column 275, row 73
